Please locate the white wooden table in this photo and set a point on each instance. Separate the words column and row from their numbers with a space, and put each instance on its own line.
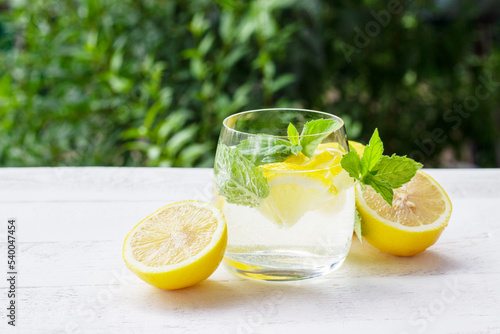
column 72, row 279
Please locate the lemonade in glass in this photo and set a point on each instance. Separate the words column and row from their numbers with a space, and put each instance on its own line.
column 289, row 205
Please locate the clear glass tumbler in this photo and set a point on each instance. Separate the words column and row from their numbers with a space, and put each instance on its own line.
column 288, row 203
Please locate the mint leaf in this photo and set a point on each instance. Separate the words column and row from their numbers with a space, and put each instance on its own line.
column 263, row 149
column 396, row 170
column 381, row 186
column 296, row 149
column 357, row 224
column 372, row 154
column 314, row 132
column 293, row 135
column 237, row 179
column 381, row 172
column 351, row 164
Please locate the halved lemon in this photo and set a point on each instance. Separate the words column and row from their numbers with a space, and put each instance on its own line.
column 420, row 212
column 294, row 191
column 178, row 245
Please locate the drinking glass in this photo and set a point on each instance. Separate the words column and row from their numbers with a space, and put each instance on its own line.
column 289, row 205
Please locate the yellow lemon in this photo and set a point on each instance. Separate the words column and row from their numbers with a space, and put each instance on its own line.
column 323, row 159
column 298, row 159
column 178, row 245
column 331, row 146
column 271, row 169
column 358, row 147
column 294, row 191
column 420, row 211
column 325, row 155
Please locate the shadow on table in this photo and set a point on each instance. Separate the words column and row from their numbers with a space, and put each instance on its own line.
column 363, row 259
column 362, row 264
column 211, row 294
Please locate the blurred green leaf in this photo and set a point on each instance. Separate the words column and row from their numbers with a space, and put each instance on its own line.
column 116, row 61
column 172, row 123
column 181, row 138
column 192, row 153
column 205, row 44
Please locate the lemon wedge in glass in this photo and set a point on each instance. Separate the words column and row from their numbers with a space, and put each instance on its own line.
column 294, row 191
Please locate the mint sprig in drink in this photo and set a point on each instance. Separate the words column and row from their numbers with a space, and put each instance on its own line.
column 285, row 183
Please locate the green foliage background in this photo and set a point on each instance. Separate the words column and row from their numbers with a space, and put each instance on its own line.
column 148, row 83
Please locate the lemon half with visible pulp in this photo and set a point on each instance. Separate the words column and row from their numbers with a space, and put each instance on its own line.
column 420, row 212
column 178, row 245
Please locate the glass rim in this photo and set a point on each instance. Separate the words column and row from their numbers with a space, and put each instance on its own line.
column 330, row 116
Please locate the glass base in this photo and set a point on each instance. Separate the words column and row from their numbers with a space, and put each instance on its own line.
column 281, row 265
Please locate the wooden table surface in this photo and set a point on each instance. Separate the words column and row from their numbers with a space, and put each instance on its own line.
column 71, row 223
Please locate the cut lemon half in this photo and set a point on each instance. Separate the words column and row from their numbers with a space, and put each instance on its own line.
column 420, row 212
column 177, row 246
column 293, row 193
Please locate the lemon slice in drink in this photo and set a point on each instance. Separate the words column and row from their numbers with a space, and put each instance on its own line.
column 271, row 169
column 419, row 213
column 294, row 191
column 177, row 246
column 298, row 159
column 323, row 159
column 325, row 155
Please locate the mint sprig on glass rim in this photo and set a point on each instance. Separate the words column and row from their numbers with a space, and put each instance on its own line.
column 242, row 182
column 263, row 149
